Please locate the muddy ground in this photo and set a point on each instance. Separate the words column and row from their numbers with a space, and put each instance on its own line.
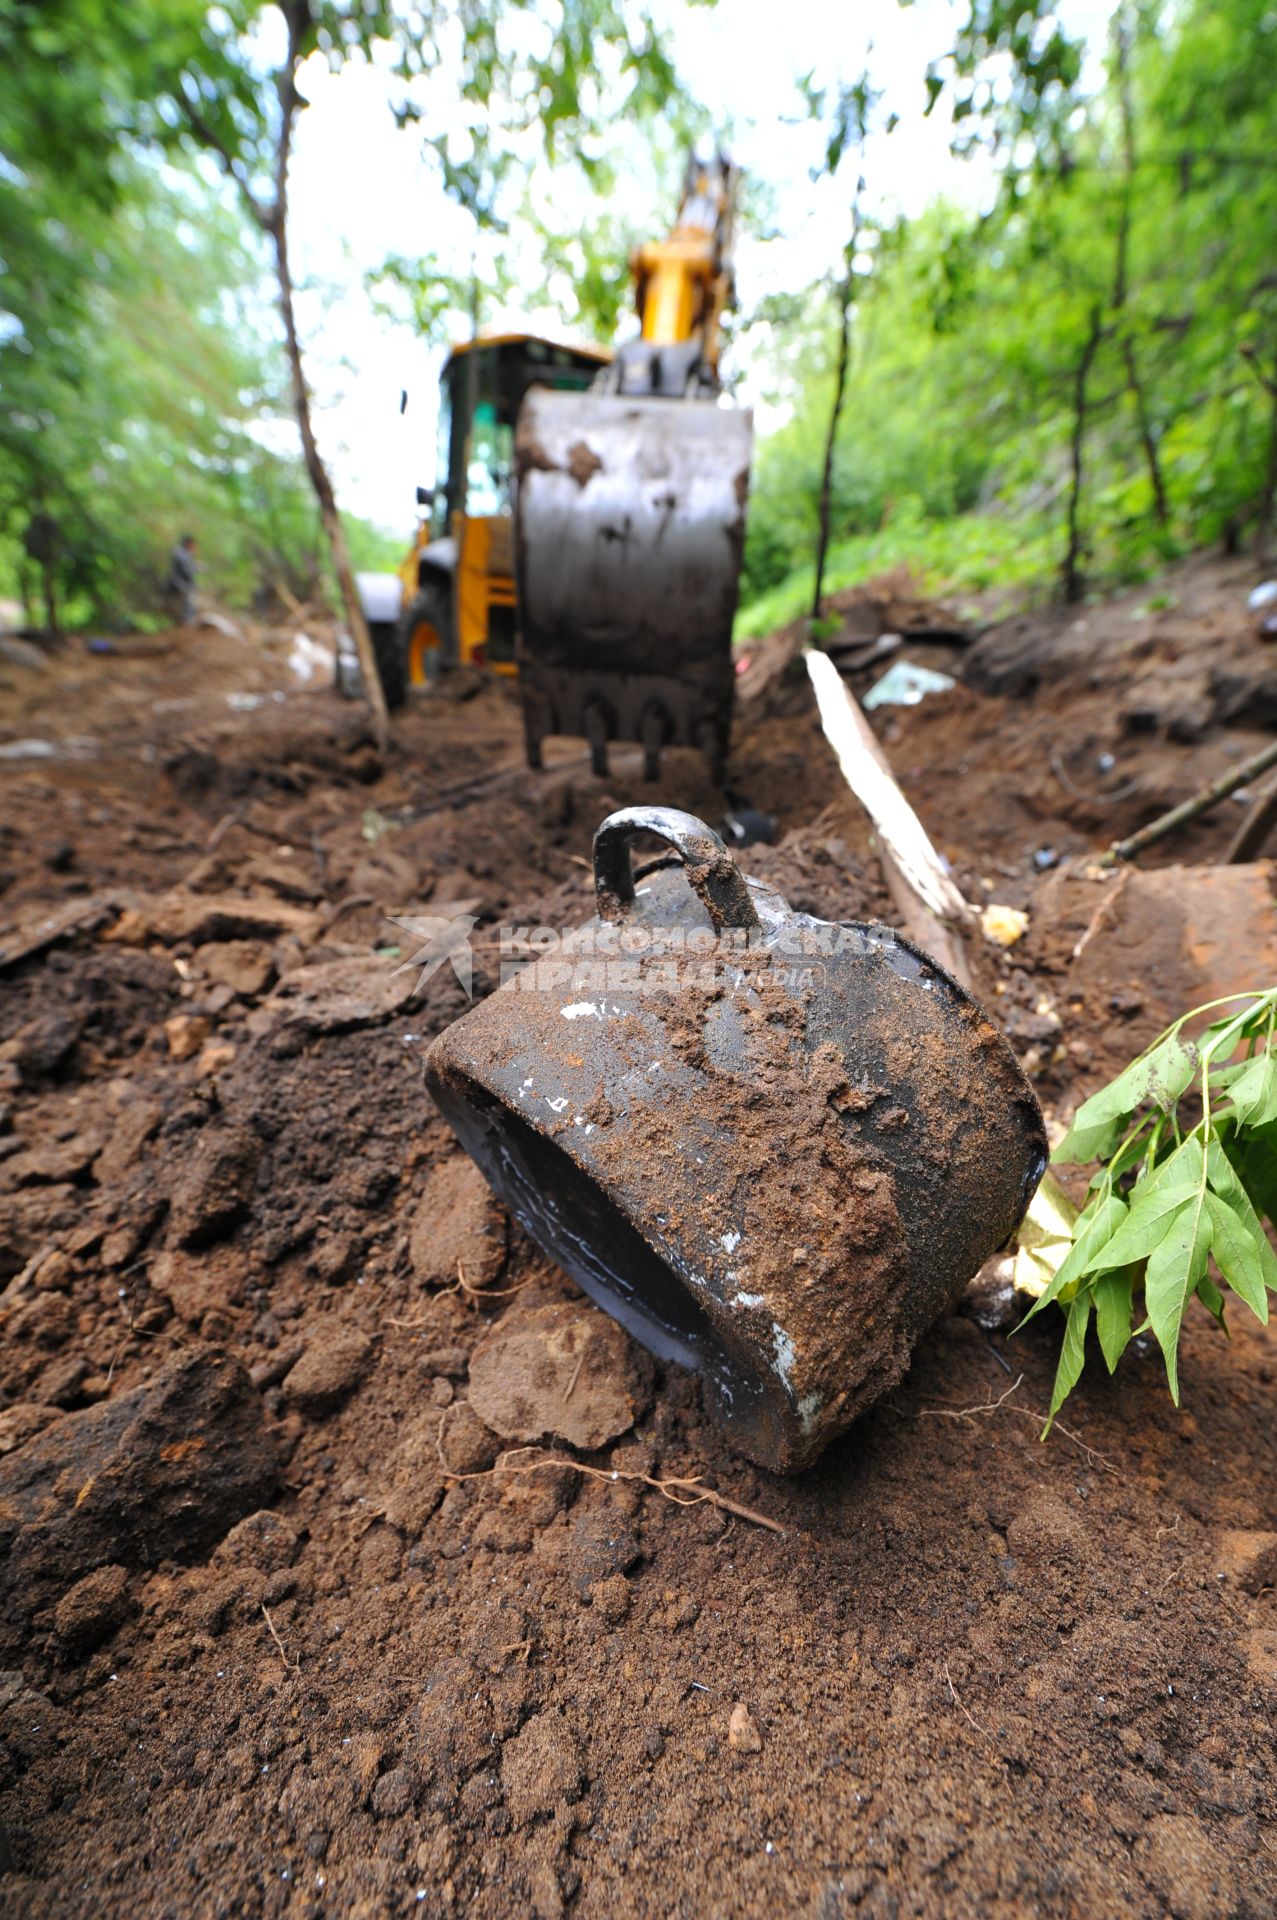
column 276, row 1640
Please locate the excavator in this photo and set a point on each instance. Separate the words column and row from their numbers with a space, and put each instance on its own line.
column 587, row 528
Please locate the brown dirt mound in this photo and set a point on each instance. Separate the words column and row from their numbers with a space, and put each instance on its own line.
column 977, row 1674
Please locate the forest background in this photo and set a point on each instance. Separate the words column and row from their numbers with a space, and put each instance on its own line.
column 1053, row 384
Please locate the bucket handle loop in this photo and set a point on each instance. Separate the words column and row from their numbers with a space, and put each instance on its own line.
column 710, row 868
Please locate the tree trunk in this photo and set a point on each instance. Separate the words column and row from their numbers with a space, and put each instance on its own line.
column 1074, row 582
column 1121, row 37
column 846, row 292
column 277, row 227
column 272, row 218
column 1268, row 496
column 49, row 581
column 1147, row 439
column 831, row 436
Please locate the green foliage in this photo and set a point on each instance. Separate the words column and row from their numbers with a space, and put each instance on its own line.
column 1095, row 358
column 1168, row 1198
column 603, row 67
column 966, row 553
column 130, row 414
column 135, row 366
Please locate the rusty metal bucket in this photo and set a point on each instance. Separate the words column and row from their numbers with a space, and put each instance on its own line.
column 773, row 1147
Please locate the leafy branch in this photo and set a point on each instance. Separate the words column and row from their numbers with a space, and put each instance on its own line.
column 1168, row 1197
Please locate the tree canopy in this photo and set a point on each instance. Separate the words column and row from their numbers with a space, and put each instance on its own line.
column 1078, row 381
column 1069, row 384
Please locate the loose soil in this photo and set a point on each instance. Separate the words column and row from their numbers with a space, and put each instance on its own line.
column 276, row 1639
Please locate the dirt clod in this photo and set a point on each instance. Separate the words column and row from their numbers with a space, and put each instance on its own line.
column 92, row 1609
column 335, row 1360
column 742, row 1733
column 458, row 1229
column 186, row 1033
column 568, row 1371
column 246, row 966
column 162, row 1471
column 216, row 1185
column 540, row 1767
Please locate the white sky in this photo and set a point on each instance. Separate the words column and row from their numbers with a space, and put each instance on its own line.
column 360, row 190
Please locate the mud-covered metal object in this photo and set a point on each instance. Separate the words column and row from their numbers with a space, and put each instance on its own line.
column 629, row 529
column 773, row 1147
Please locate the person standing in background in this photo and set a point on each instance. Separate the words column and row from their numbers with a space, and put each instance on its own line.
column 179, row 587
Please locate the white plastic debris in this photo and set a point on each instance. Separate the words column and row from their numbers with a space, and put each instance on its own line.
column 904, row 685
column 310, row 662
column 1263, row 596
column 27, row 750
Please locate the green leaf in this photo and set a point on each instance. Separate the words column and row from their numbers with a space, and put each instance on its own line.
column 1225, row 1183
column 1095, row 1227
column 1072, row 1356
column 1254, row 1092
column 1175, row 1267
column 1154, row 1202
column 1113, row 1293
column 1161, row 1075
column 1212, row 1299
column 1253, row 1156
column 1094, row 1133
column 1237, row 1255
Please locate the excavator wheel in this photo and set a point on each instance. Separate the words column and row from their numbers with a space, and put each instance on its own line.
column 389, row 657
column 422, row 630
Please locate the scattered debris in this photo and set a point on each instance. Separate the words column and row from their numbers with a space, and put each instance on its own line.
column 905, row 684
column 434, row 1617
column 1003, row 925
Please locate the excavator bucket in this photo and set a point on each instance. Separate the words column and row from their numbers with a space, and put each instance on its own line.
column 629, row 528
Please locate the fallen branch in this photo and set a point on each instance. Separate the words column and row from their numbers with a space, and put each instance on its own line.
column 930, row 905
column 1252, row 836
column 1193, row 808
column 1097, row 918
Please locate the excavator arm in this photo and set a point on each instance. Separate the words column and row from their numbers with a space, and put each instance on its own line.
column 683, row 285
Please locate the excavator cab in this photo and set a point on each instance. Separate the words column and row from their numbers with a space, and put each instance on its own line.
column 453, row 601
